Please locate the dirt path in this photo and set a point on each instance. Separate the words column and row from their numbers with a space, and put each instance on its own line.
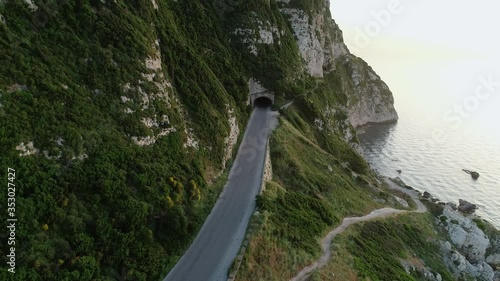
column 380, row 213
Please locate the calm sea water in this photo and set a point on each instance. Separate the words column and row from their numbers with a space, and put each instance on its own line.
column 432, row 155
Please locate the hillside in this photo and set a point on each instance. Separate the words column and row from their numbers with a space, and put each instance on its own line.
column 121, row 119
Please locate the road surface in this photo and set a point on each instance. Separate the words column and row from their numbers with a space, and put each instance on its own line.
column 220, row 237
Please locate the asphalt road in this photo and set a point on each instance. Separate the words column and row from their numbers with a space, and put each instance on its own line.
column 216, row 245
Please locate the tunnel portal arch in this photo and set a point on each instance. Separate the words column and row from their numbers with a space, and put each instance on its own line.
column 262, row 98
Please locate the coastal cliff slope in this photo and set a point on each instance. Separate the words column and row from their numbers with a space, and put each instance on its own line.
column 122, row 117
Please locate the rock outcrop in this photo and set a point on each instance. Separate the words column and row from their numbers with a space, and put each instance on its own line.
column 494, row 260
column 473, row 174
column 426, row 195
column 232, row 138
column 371, row 100
column 466, row 236
column 322, row 48
column 27, row 149
column 467, row 254
column 466, row 207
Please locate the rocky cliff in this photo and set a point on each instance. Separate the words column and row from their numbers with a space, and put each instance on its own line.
column 123, row 116
column 323, row 52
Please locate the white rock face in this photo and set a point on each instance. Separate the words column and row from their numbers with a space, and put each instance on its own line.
column 125, row 99
column 153, row 125
column 154, row 63
column 247, row 37
column 150, row 140
column 27, row 149
column 471, row 244
column 155, row 5
column 487, row 272
column 466, row 236
column 80, row 157
column 319, row 124
column 494, row 259
column 322, row 48
column 232, row 138
column 266, row 34
column 31, row 5
column 254, row 87
column 191, row 140
column 150, row 122
column 371, row 101
column 319, row 39
column 164, row 94
column 163, row 86
column 309, row 45
column 60, row 141
column 461, row 267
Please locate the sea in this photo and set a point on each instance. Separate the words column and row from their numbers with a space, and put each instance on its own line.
column 439, row 134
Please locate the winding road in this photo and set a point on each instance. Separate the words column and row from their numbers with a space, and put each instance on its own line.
column 379, row 213
column 216, row 245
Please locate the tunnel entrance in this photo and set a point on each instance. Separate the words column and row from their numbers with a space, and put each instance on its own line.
column 262, row 102
column 262, row 99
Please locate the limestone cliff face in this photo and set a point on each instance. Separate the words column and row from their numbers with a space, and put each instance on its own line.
column 322, row 54
column 322, row 48
column 472, row 252
column 318, row 37
column 370, row 101
column 148, row 97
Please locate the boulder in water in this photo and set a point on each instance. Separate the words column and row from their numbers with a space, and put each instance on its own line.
column 426, row 195
column 466, row 207
column 409, row 187
column 398, row 181
column 473, row 174
column 452, row 205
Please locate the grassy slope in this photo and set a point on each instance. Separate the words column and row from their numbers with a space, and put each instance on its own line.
column 305, row 200
column 109, row 216
column 374, row 250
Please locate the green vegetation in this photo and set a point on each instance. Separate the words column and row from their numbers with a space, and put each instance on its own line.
column 378, row 246
column 92, row 204
column 303, row 166
column 298, row 218
column 377, row 250
column 305, row 200
column 313, row 189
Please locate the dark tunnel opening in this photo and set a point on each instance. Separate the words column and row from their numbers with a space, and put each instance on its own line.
column 262, row 102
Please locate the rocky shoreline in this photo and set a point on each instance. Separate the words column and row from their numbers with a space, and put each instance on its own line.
column 472, row 250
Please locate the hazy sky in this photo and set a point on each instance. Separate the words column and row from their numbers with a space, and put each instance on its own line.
column 434, row 55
